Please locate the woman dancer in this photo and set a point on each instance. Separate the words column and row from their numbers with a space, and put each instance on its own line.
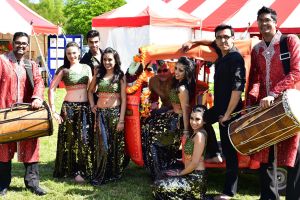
column 165, row 129
column 189, row 183
column 75, row 138
column 110, row 85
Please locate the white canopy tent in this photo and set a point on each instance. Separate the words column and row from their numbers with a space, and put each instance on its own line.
column 139, row 23
column 15, row 17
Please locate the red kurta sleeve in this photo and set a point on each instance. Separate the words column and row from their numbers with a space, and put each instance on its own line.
column 254, row 81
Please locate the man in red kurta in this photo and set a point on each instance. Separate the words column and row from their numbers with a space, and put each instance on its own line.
column 267, row 81
column 16, row 88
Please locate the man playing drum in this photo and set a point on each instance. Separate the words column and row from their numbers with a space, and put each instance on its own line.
column 16, row 88
column 267, row 80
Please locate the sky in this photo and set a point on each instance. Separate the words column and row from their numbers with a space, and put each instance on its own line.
column 34, row 1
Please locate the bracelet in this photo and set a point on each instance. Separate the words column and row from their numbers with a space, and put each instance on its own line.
column 121, row 122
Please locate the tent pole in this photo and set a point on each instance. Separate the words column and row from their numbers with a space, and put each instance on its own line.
column 42, row 55
column 201, row 29
column 29, row 50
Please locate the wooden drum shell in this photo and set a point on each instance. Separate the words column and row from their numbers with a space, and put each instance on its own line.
column 252, row 133
column 20, row 122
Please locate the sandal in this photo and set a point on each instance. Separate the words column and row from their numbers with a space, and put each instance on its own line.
column 216, row 159
column 79, row 179
column 222, row 197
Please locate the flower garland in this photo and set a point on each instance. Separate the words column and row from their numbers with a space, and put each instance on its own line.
column 145, row 104
column 144, row 77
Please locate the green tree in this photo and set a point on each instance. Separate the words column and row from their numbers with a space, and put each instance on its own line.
column 51, row 10
column 79, row 13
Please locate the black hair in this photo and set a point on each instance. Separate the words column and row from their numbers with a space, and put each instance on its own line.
column 189, row 81
column 266, row 10
column 118, row 73
column 92, row 34
column 66, row 61
column 202, row 109
column 20, row 34
column 223, row 27
column 199, row 108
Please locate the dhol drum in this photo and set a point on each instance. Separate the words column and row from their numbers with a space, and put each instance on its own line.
column 21, row 122
column 262, row 128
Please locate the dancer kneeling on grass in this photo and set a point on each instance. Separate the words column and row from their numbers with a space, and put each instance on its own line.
column 189, row 183
column 110, row 85
column 75, row 137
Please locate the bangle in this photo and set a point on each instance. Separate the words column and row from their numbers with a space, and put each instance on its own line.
column 121, row 122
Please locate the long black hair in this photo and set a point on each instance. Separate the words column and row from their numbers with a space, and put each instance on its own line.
column 189, row 79
column 67, row 63
column 118, row 73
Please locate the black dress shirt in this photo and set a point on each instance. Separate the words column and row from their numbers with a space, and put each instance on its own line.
column 229, row 76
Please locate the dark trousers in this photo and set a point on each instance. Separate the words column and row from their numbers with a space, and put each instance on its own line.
column 269, row 190
column 5, row 174
column 212, row 147
column 293, row 180
column 31, row 177
column 231, row 175
column 232, row 168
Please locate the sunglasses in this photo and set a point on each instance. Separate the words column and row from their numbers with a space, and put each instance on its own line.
column 149, row 69
column 225, row 37
column 162, row 71
column 21, row 43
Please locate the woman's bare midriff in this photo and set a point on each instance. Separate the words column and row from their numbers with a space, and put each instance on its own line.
column 108, row 100
column 76, row 94
column 200, row 166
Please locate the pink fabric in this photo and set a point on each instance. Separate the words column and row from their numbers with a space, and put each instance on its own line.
column 267, row 77
column 28, row 150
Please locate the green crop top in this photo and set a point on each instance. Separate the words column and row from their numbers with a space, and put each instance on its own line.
column 71, row 77
column 107, row 86
column 189, row 144
column 173, row 96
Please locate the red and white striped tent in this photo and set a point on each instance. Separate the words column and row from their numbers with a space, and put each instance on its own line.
column 15, row 16
column 143, row 22
column 241, row 14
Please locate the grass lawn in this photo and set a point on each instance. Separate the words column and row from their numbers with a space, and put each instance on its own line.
column 135, row 185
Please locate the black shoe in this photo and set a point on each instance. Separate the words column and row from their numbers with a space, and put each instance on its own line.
column 37, row 190
column 3, row 192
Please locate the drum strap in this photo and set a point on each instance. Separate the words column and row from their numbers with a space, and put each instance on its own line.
column 284, row 54
column 28, row 68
